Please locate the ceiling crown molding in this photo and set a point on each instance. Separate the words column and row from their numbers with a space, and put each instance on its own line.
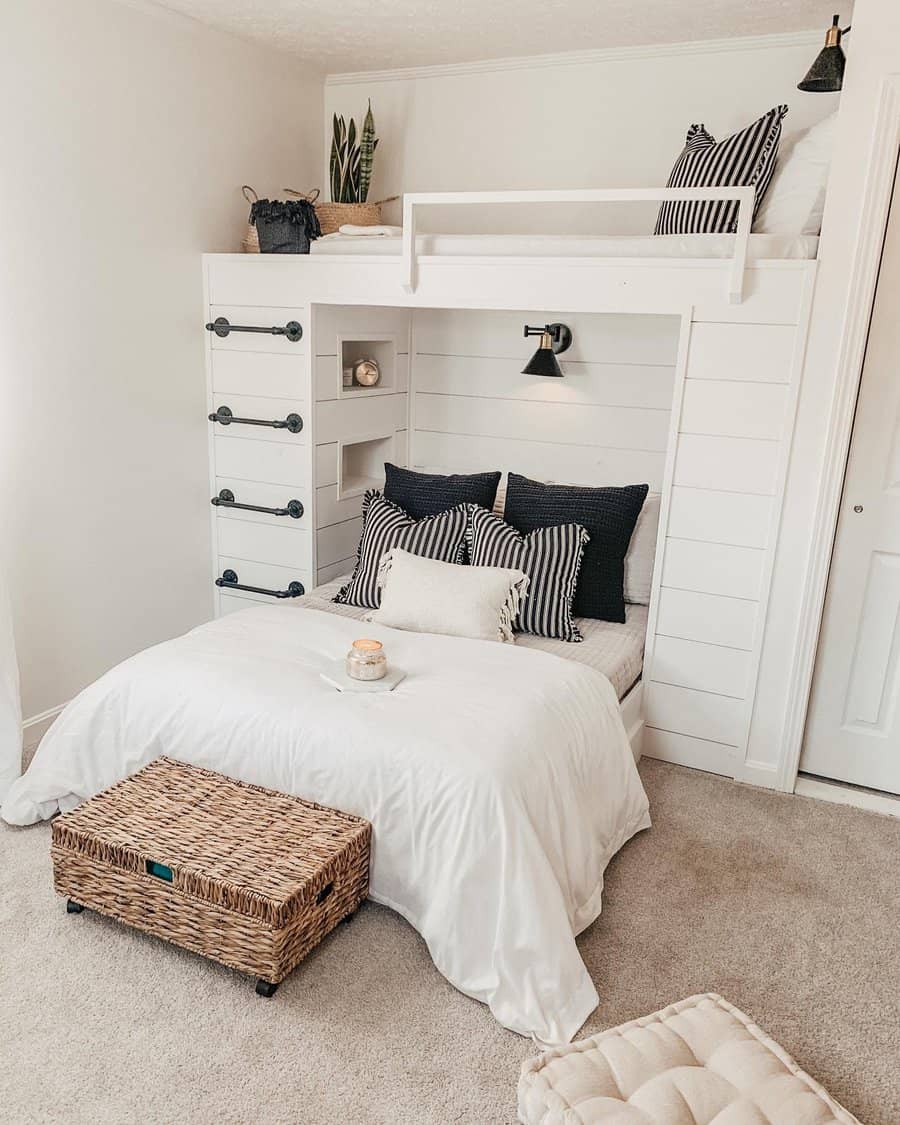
column 803, row 39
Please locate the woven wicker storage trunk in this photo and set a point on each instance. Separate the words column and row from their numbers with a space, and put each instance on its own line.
column 247, row 876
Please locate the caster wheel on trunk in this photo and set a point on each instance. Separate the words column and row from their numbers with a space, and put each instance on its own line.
column 73, row 907
column 265, row 988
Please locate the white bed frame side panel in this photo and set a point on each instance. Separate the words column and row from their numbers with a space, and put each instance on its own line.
column 732, row 427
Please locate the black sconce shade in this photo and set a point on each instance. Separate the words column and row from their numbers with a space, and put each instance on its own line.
column 555, row 338
column 826, row 75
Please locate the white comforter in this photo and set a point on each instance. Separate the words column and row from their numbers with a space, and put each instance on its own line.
column 499, row 780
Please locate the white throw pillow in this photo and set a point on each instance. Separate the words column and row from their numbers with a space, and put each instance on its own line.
column 427, row 596
column 642, row 553
column 796, row 197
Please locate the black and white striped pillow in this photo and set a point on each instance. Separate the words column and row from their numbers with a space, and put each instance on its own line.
column 745, row 159
column 387, row 525
column 551, row 559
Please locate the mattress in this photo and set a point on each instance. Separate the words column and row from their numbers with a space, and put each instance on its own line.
column 761, row 246
column 608, row 647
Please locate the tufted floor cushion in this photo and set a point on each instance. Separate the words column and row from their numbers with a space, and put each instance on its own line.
column 698, row 1062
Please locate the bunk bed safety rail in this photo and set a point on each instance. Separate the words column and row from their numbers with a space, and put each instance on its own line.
column 743, row 196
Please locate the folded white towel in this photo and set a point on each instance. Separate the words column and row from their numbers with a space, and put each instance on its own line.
column 368, row 232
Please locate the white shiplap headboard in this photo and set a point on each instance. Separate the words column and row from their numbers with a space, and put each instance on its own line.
column 605, row 423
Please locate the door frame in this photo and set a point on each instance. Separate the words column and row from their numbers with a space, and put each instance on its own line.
column 854, row 337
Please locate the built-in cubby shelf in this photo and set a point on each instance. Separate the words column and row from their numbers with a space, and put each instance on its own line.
column 382, row 349
column 361, row 464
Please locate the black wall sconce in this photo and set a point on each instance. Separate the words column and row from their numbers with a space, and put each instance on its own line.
column 826, row 75
column 555, row 338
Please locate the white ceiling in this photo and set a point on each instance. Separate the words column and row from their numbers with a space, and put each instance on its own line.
column 353, row 35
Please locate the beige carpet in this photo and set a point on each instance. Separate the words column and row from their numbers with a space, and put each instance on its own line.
column 786, row 906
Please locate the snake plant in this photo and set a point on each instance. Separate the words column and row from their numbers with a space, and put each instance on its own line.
column 352, row 159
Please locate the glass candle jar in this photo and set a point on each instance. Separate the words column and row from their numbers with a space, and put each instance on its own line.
column 366, row 660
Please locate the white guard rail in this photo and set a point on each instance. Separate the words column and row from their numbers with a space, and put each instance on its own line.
column 743, row 196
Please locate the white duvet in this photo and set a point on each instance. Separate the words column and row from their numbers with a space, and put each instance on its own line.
column 499, row 780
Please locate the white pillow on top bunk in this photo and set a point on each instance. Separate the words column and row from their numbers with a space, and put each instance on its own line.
column 796, row 197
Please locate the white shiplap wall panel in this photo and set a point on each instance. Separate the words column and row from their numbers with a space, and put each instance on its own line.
column 263, row 409
column 693, row 664
column 265, row 374
column 566, row 464
column 334, row 321
column 597, row 338
column 359, row 418
column 593, row 384
column 711, row 568
column 735, row 518
column 252, row 459
column 753, row 353
column 727, row 464
column 716, row 620
column 605, row 423
column 730, row 441
column 700, row 714
column 259, row 317
column 746, row 410
column 611, row 427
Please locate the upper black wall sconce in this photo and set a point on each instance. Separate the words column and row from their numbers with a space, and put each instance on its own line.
column 555, row 338
column 826, row 75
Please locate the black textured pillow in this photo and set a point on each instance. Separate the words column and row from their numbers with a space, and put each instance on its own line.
column 427, row 494
column 745, row 159
column 608, row 515
column 550, row 557
column 386, row 525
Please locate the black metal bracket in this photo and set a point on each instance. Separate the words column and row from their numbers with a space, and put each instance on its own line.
column 224, row 417
column 292, row 331
column 226, row 499
column 560, row 334
column 229, row 581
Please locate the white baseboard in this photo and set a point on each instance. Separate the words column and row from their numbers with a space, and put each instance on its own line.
column 34, row 729
column 840, row 794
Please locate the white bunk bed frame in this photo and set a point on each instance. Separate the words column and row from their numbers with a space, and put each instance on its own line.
column 702, row 701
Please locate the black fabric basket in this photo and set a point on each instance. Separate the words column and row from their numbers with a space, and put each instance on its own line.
column 284, row 226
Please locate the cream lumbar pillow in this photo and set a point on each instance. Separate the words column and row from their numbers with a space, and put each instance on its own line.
column 427, row 596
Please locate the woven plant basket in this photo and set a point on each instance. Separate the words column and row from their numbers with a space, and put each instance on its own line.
column 332, row 216
column 250, row 242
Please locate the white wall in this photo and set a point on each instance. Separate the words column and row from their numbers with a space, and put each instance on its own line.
column 596, row 119
column 125, row 136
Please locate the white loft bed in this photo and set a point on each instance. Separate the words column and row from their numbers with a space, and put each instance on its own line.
column 719, row 464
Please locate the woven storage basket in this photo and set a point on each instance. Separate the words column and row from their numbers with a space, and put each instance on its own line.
column 332, row 216
column 250, row 241
column 244, row 875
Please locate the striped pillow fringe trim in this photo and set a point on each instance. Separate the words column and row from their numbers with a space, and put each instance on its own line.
column 387, row 525
column 746, row 159
column 551, row 559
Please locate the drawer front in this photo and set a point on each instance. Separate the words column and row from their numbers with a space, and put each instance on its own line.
column 264, row 576
column 291, row 505
column 264, row 374
column 255, row 460
column 250, row 316
column 264, row 410
column 258, row 542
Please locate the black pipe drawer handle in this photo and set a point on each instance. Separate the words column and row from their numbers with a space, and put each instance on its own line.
column 229, row 581
column 226, row 499
column 224, row 417
column 293, row 330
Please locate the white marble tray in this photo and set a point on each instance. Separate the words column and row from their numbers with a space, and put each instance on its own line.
column 335, row 675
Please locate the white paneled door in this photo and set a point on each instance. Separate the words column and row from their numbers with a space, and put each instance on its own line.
column 853, row 728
